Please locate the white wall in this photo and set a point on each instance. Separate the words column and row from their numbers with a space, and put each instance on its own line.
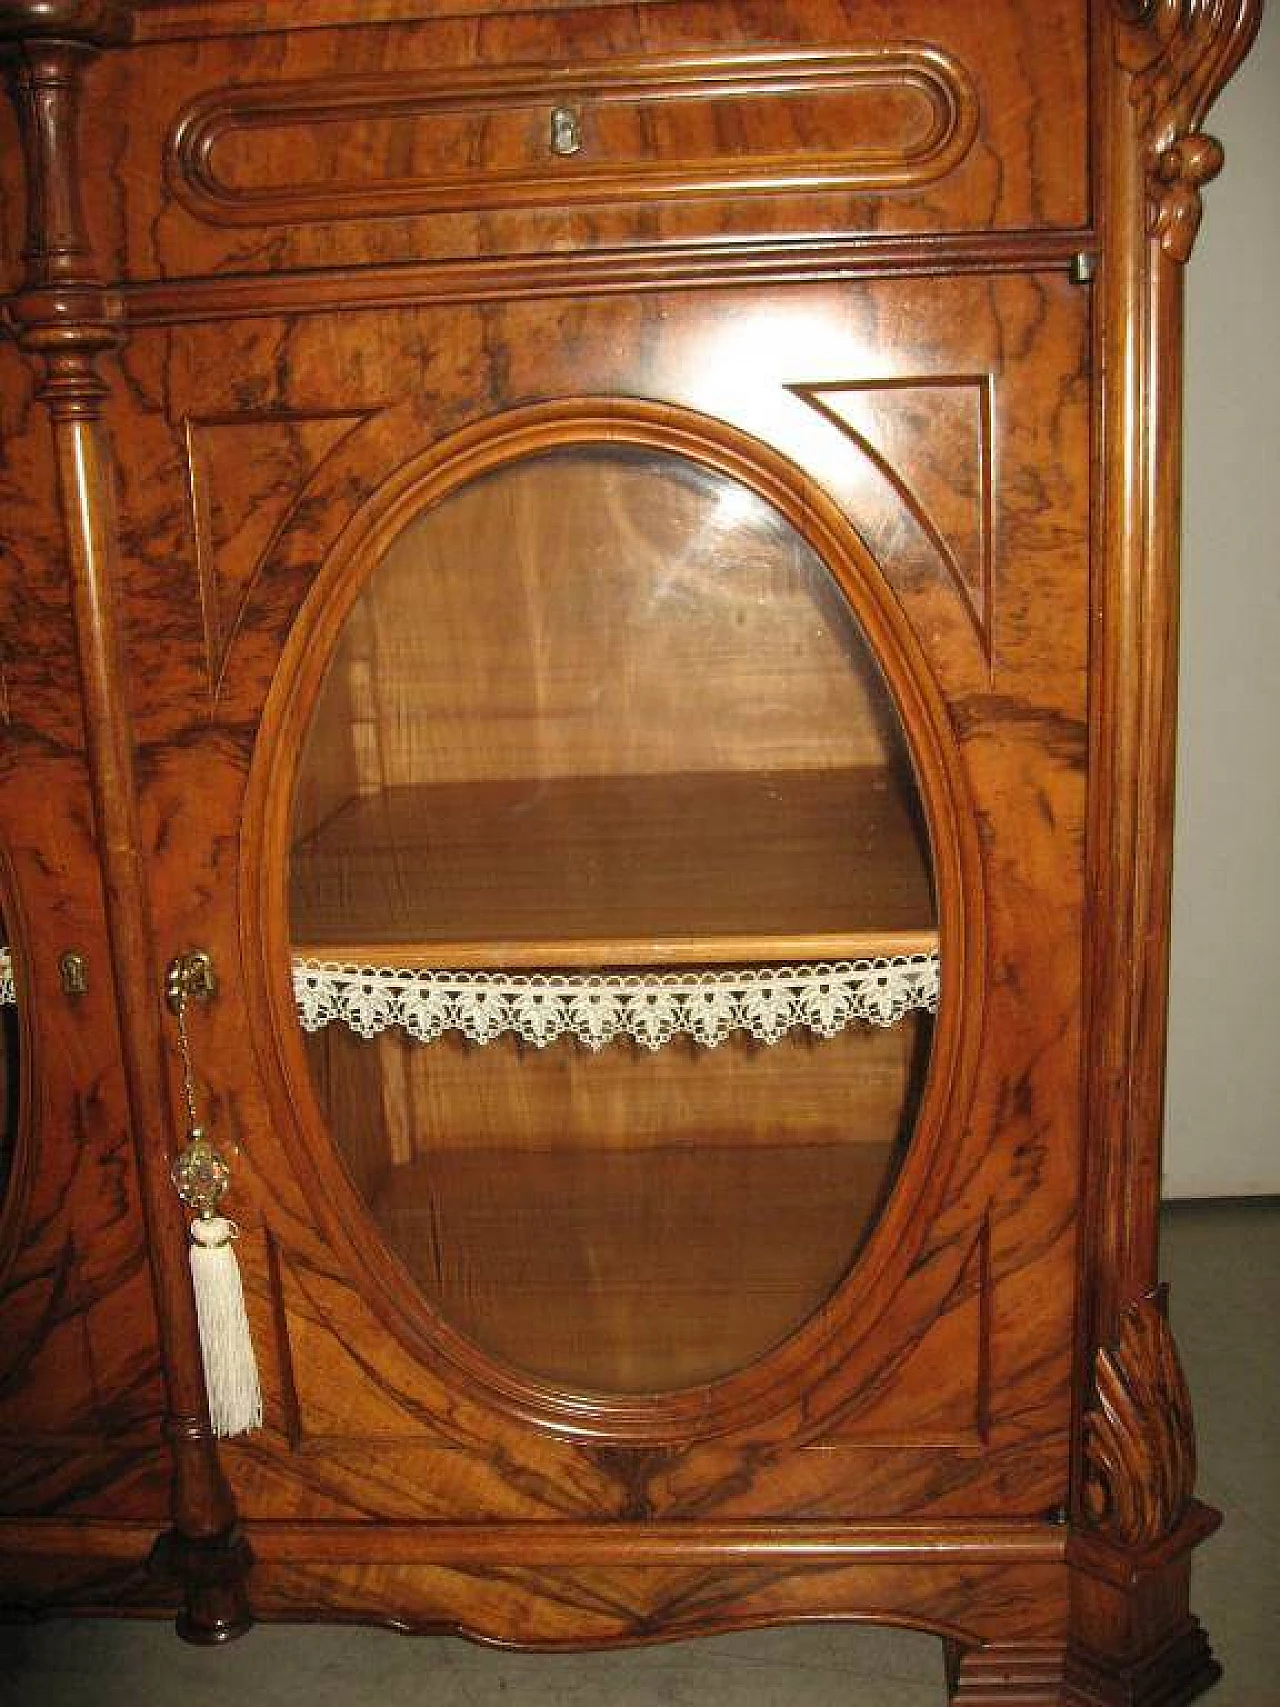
column 1223, row 1108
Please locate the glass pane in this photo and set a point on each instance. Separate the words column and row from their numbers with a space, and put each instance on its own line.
column 606, row 793
column 9, row 1071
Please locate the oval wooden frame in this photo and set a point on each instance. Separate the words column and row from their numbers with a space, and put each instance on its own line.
column 814, row 1349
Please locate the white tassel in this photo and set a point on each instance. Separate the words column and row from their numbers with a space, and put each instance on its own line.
column 230, row 1372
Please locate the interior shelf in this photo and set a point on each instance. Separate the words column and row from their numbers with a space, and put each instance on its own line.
column 633, row 1271
column 625, row 1220
column 678, row 869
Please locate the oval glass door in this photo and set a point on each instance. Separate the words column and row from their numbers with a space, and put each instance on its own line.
column 9, row 1064
column 612, row 918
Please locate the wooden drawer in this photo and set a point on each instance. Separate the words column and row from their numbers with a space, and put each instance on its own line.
column 452, row 135
column 677, row 126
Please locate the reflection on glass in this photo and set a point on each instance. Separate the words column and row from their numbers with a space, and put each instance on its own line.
column 604, row 712
column 9, row 1075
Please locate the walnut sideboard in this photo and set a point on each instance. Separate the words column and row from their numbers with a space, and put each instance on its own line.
column 589, row 619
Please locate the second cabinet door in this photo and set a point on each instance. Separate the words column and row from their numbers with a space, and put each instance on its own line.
column 627, row 763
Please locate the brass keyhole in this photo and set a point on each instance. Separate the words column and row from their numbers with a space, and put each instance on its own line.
column 566, row 131
column 73, row 973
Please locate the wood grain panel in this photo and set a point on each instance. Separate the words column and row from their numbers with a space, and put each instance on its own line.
column 581, row 1602
column 650, row 172
column 243, row 472
column 873, row 119
column 81, row 1384
column 939, row 1391
column 941, row 431
column 172, row 20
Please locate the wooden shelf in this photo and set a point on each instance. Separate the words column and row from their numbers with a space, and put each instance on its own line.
column 614, row 871
column 627, row 1221
column 633, row 1271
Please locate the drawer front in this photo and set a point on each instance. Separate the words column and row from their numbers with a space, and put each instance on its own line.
column 585, row 129
column 536, row 137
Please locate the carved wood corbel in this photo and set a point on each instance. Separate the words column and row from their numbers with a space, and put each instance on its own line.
column 1134, row 1642
column 1181, row 53
column 1139, row 1437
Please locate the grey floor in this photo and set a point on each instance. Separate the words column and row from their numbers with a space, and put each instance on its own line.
column 1224, row 1263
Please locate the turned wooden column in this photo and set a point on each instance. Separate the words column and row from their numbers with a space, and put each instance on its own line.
column 1135, row 1517
column 66, row 319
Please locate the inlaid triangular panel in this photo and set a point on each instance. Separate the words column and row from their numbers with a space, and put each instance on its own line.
column 244, row 473
column 930, row 439
column 935, row 1393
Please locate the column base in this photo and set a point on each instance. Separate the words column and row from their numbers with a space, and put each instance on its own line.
column 212, row 1574
column 1177, row 1672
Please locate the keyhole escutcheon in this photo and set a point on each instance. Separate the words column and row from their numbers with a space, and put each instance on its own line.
column 566, row 130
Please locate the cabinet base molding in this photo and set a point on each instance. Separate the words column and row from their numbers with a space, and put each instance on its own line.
column 207, row 1601
column 504, row 1546
column 1006, row 1676
column 1135, row 1642
column 57, row 1566
column 581, row 1585
column 1177, row 1672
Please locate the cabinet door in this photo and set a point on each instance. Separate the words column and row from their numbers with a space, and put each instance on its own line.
column 81, row 1394
column 564, row 677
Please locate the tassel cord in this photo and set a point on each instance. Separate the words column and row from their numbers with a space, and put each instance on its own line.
column 201, row 1177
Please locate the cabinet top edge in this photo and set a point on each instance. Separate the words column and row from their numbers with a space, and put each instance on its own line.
column 178, row 20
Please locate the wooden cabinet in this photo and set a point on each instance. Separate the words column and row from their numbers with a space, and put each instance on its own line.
column 614, row 568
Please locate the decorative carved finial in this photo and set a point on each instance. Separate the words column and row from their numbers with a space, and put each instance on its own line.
column 1139, row 1444
column 1181, row 53
column 62, row 314
column 1177, row 177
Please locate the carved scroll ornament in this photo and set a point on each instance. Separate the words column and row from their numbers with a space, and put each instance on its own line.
column 1181, row 53
column 1140, row 1452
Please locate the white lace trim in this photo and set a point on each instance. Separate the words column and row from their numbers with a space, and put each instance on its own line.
column 765, row 1002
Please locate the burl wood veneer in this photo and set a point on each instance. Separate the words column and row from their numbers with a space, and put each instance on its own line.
column 602, row 489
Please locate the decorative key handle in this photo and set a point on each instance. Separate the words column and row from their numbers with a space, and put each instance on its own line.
column 202, row 1178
